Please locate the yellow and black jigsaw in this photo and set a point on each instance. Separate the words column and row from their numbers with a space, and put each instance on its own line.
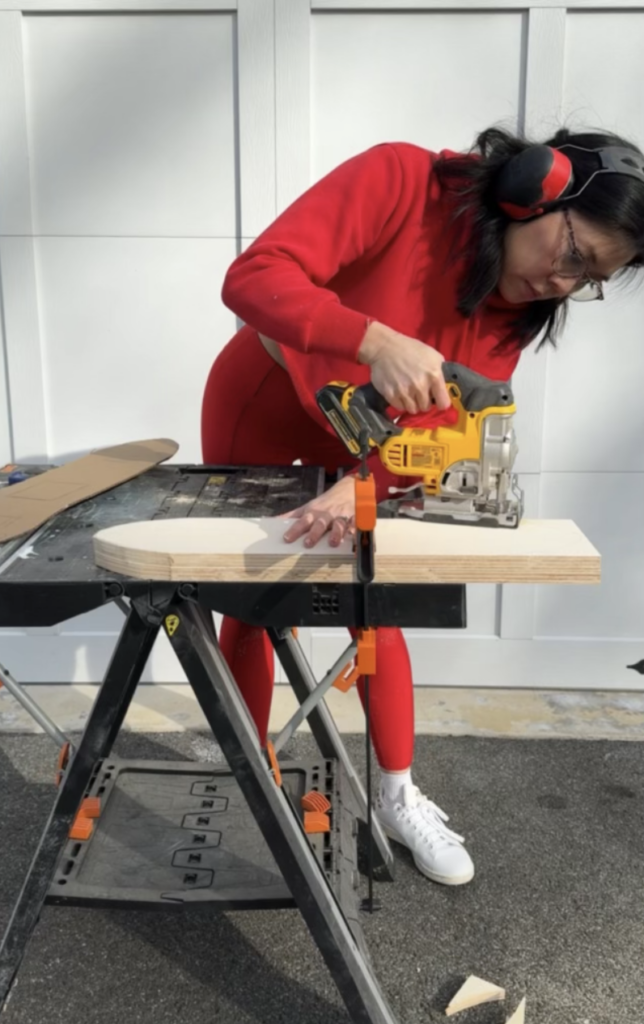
column 465, row 468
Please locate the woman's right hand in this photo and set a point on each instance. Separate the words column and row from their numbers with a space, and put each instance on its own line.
column 405, row 371
column 332, row 512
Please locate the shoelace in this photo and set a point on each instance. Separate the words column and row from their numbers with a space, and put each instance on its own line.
column 432, row 816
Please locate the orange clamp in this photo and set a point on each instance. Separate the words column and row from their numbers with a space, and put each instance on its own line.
column 364, row 664
column 346, row 678
column 366, row 656
column 365, row 502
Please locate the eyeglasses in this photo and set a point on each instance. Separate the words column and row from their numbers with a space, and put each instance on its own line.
column 572, row 264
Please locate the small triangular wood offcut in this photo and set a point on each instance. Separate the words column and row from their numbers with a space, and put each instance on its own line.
column 518, row 1017
column 474, row 992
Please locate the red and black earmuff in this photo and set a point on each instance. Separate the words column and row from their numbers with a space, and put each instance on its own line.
column 533, row 181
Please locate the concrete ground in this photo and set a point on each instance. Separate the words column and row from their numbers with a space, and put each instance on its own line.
column 556, row 911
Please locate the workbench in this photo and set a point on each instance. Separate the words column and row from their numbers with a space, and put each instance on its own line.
column 190, row 835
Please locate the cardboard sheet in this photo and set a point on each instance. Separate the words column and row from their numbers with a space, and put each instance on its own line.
column 26, row 506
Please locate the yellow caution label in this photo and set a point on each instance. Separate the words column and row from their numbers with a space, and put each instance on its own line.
column 171, row 624
column 218, row 480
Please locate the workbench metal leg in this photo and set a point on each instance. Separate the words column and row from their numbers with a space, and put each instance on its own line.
column 329, row 741
column 124, row 671
column 30, row 706
column 224, row 708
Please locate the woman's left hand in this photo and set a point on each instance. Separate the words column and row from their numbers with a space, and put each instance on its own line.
column 332, row 512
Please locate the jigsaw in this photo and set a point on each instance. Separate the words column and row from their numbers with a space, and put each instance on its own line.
column 465, row 468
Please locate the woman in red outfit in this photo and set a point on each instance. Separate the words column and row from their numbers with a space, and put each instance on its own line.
column 395, row 261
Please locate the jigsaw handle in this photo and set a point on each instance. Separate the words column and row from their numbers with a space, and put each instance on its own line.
column 476, row 391
column 469, row 389
column 476, row 394
column 370, row 408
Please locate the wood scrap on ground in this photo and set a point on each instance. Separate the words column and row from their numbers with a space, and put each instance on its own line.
column 474, row 992
column 518, row 1017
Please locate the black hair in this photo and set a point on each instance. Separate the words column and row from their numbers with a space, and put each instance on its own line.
column 611, row 201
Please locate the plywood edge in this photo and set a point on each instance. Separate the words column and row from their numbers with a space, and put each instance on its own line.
column 230, row 550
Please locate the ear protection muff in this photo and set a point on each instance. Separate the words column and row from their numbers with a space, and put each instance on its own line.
column 532, row 181
column 538, row 176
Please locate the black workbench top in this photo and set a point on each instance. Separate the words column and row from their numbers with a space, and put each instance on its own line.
column 51, row 576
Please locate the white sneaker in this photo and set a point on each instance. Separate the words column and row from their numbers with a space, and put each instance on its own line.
column 419, row 824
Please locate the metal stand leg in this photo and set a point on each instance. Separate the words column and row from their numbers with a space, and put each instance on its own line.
column 110, row 707
column 30, row 706
column 222, row 704
column 330, row 744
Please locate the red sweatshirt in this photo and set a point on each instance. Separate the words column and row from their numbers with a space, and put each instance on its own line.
column 370, row 241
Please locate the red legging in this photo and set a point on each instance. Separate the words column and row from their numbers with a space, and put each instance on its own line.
column 251, row 416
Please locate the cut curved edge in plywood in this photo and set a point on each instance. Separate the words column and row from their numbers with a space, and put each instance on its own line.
column 407, row 551
column 474, row 992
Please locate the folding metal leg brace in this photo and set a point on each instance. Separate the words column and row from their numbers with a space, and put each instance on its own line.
column 316, row 695
column 326, row 735
column 30, row 706
column 193, row 639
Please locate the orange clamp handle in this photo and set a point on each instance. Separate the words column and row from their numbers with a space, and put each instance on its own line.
column 365, row 661
column 346, row 678
column 366, row 505
column 366, row 656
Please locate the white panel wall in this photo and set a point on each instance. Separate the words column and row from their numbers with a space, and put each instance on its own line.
column 141, row 149
column 593, row 457
column 122, row 202
column 129, row 345
column 131, row 125
column 391, row 75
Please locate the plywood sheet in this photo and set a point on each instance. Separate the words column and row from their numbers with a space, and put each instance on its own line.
column 539, row 551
